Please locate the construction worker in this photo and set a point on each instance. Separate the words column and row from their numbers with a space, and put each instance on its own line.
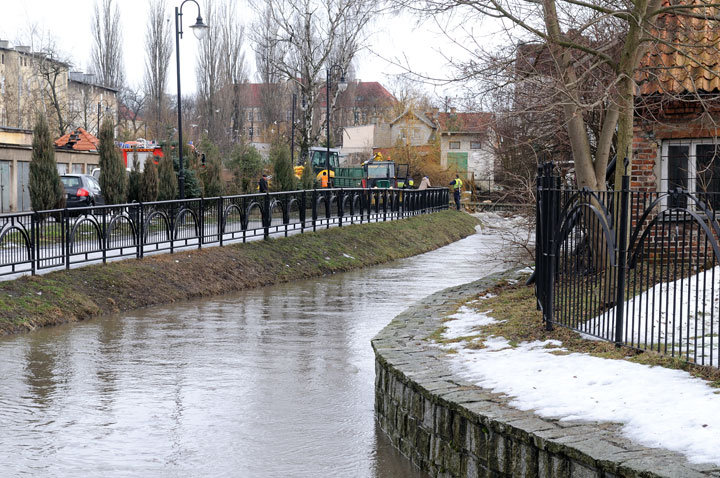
column 324, row 179
column 456, row 184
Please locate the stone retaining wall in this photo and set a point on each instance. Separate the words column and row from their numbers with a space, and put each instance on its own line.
column 449, row 427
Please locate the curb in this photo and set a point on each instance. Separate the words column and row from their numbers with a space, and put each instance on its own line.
column 449, row 427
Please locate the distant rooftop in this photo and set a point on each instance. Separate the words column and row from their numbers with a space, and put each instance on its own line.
column 78, row 140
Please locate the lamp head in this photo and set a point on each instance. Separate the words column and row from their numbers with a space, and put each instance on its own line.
column 200, row 28
column 342, row 85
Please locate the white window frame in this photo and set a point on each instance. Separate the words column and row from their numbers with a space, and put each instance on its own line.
column 692, row 144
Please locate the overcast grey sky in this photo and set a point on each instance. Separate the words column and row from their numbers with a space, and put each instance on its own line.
column 69, row 22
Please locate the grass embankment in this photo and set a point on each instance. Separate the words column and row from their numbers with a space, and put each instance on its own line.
column 80, row 294
column 514, row 307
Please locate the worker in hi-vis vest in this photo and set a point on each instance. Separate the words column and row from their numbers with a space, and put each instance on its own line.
column 324, row 179
column 456, row 184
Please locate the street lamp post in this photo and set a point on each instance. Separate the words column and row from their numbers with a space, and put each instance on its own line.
column 341, row 86
column 199, row 29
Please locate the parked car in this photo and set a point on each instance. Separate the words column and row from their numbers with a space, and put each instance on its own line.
column 82, row 190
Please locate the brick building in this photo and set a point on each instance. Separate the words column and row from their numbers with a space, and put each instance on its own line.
column 676, row 126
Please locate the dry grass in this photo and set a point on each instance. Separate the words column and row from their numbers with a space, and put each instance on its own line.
column 79, row 294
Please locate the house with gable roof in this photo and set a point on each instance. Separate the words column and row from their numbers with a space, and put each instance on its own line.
column 676, row 131
column 466, row 140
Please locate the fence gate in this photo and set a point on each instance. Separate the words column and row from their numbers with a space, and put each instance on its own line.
column 638, row 268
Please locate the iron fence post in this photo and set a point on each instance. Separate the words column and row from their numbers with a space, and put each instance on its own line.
column 65, row 232
column 172, row 227
column 340, row 206
column 553, row 205
column 352, row 207
column 266, row 216
column 543, row 245
column 201, row 229
column 623, row 219
column 538, row 237
column 328, row 212
column 303, row 210
column 141, row 231
column 105, row 236
column 33, row 241
column 220, row 216
column 385, row 200
column 314, row 209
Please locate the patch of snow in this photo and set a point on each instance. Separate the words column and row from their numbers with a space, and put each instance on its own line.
column 465, row 322
column 527, row 270
column 348, row 256
column 657, row 407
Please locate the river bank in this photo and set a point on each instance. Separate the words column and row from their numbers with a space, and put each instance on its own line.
column 80, row 294
column 439, row 399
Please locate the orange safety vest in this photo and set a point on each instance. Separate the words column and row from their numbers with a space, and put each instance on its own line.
column 324, row 181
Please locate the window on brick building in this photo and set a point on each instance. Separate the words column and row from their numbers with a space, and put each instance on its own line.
column 694, row 166
column 454, row 145
column 475, row 145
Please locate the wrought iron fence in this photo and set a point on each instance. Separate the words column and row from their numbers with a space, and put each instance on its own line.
column 33, row 241
column 638, row 268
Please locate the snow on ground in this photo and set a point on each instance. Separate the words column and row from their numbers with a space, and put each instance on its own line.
column 684, row 313
column 466, row 322
column 657, row 407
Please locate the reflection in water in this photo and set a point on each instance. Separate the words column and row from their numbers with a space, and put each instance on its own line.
column 276, row 381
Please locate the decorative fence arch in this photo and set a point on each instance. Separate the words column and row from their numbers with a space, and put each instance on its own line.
column 34, row 241
column 653, row 282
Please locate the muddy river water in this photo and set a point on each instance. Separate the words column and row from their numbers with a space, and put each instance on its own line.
column 275, row 381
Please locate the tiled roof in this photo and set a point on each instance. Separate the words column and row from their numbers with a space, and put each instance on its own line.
column 464, row 122
column 251, row 94
column 361, row 94
column 665, row 69
column 80, row 140
column 425, row 118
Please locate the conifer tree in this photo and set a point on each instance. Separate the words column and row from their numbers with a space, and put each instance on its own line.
column 167, row 180
column 149, row 181
column 134, row 179
column 46, row 189
column 211, row 178
column 113, row 178
column 307, row 180
column 209, row 172
column 284, row 177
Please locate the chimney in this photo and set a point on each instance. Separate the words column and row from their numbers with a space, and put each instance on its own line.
column 4, row 44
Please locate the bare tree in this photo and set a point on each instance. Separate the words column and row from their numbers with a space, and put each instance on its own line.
column 159, row 49
column 311, row 36
column 593, row 55
column 266, row 61
column 132, row 106
column 107, row 61
column 232, row 70
column 207, row 71
column 48, row 88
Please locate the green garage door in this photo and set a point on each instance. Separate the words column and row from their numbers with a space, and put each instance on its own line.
column 459, row 162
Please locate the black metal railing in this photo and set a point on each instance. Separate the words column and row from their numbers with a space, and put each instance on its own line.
column 638, row 268
column 33, row 241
